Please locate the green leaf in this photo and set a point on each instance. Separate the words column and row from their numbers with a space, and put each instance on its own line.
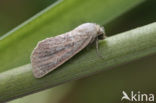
column 17, row 45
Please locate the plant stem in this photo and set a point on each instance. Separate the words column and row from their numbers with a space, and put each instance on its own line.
column 116, row 50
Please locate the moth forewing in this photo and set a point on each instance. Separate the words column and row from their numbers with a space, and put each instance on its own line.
column 53, row 52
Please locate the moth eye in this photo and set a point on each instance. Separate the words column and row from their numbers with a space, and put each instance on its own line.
column 101, row 37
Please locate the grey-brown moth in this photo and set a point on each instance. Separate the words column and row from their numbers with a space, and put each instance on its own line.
column 54, row 51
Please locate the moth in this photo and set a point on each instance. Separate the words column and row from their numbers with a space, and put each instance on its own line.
column 54, row 51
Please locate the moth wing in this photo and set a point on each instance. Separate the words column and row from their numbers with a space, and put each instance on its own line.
column 52, row 52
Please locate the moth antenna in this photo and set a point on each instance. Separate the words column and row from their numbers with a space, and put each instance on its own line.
column 97, row 48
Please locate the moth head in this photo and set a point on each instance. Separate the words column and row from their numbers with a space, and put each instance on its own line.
column 100, row 32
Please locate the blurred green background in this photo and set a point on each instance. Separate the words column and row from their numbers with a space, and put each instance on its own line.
column 104, row 87
column 15, row 12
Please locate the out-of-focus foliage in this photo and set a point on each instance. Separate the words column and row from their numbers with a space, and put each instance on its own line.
column 14, row 12
column 54, row 20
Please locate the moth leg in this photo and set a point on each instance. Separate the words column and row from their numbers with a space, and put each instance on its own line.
column 97, row 48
